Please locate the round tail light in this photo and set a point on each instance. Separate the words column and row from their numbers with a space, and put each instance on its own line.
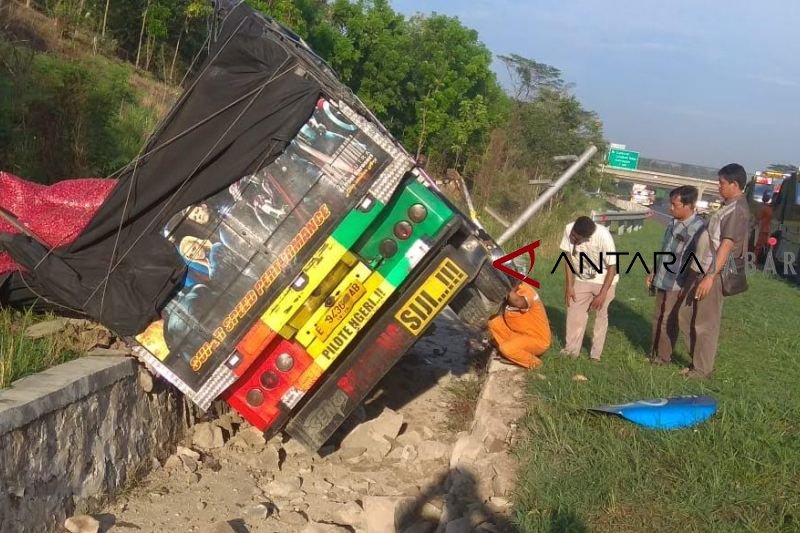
column 417, row 213
column 255, row 397
column 402, row 230
column 284, row 362
column 388, row 248
column 269, row 380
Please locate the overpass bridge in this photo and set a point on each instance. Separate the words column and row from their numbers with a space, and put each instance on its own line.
column 704, row 186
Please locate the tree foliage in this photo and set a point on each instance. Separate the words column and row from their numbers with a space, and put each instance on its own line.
column 428, row 78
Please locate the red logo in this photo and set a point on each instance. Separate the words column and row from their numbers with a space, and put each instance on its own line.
column 499, row 263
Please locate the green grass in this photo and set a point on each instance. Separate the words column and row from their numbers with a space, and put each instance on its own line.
column 462, row 398
column 21, row 356
column 737, row 472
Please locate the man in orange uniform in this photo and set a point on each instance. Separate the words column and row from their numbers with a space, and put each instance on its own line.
column 521, row 331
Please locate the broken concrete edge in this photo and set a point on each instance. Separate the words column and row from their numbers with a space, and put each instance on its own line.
column 37, row 395
column 471, row 443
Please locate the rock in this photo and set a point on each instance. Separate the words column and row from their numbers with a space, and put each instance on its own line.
column 410, row 438
column 505, row 475
column 283, row 487
column 405, row 453
column 382, row 514
column 173, row 462
column 293, row 448
column 462, row 525
column 579, row 377
column 350, row 514
column 145, row 379
column 431, row 450
column 45, row 329
column 208, row 437
column 225, row 424
column 500, row 502
column 503, row 482
column 187, row 452
column 269, row 459
column 201, row 505
column 321, row 486
column 82, row 524
column 466, row 450
column 351, row 453
column 387, row 425
column 427, row 433
column 212, row 463
column 155, row 464
column 374, row 435
column 360, row 437
column 253, row 437
column 189, row 464
column 195, row 478
column 220, row 527
column 297, row 497
column 262, row 511
column 294, row 518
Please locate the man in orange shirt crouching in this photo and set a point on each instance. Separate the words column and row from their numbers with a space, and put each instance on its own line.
column 522, row 332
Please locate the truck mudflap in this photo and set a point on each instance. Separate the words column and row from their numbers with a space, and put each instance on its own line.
column 394, row 332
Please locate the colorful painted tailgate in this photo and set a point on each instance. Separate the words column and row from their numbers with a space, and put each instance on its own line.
column 352, row 276
column 308, row 278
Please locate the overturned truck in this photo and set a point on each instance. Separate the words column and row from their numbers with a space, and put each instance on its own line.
column 272, row 245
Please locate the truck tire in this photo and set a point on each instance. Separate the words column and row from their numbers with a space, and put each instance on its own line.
column 493, row 284
column 482, row 298
column 472, row 307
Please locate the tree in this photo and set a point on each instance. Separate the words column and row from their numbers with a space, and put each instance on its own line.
column 530, row 77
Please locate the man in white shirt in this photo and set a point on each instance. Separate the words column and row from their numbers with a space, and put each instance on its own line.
column 591, row 282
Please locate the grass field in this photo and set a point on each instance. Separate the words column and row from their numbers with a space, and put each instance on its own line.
column 740, row 471
column 20, row 356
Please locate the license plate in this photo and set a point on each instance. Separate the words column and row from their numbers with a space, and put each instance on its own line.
column 431, row 297
column 340, row 309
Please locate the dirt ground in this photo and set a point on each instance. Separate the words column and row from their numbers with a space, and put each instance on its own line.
column 391, row 458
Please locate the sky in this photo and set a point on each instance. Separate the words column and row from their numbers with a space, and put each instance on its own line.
column 706, row 82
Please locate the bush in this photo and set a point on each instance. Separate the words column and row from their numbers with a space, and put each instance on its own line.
column 61, row 118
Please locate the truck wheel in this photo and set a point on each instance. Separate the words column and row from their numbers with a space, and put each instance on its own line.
column 472, row 307
column 493, row 284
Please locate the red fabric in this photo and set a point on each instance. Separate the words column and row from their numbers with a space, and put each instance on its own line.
column 55, row 213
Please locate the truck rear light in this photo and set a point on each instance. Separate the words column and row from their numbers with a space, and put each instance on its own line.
column 284, row 362
column 417, row 213
column 402, row 230
column 258, row 393
column 388, row 248
column 255, row 342
column 255, row 397
column 269, row 380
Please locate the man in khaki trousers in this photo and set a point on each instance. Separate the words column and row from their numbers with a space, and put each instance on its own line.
column 591, row 283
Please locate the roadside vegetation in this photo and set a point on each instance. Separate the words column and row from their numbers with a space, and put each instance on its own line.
column 20, row 355
column 737, row 472
column 84, row 82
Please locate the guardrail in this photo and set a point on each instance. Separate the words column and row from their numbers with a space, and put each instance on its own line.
column 626, row 221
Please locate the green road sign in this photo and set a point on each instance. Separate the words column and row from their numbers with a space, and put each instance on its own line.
column 623, row 159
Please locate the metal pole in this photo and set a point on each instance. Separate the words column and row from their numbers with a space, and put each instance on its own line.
column 549, row 193
column 15, row 223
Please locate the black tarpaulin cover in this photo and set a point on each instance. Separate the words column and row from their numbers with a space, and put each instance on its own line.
column 239, row 114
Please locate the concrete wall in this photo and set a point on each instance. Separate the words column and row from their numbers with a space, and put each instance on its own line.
column 74, row 435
